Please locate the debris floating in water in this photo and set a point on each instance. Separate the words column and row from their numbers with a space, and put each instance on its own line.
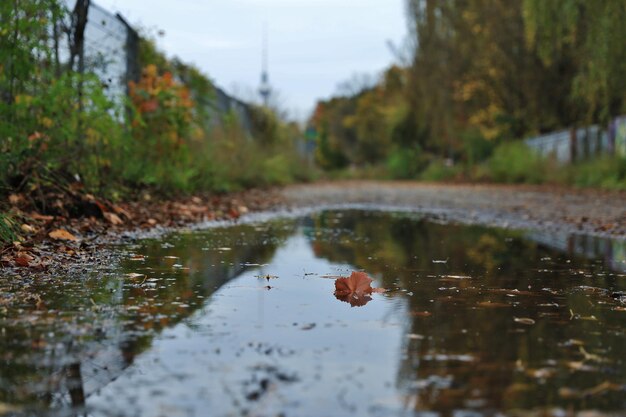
column 355, row 289
column 440, row 261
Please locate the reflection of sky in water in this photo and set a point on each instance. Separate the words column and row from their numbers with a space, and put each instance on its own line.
column 294, row 345
column 476, row 320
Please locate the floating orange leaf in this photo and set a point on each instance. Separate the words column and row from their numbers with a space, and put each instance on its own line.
column 355, row 289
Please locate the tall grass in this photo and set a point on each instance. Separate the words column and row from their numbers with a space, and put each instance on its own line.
column 605, row 172
column 7, row 229
column 516, row 163
column 232, row 159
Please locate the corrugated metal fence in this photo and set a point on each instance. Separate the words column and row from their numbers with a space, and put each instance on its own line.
column 111, row 51
column 574, row 145
column 224, row 104
column 613, row 251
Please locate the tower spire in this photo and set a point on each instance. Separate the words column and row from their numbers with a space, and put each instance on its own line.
column 264, row 89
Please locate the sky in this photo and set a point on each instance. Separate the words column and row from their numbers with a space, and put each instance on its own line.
column 313, row 44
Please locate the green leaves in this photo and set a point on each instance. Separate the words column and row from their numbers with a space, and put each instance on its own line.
column 589, row 36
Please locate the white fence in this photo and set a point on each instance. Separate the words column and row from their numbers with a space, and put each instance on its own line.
column 612, row 251
column 574, row 145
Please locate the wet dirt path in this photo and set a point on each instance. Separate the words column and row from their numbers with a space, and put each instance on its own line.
column 563, row 210
column 540, row 208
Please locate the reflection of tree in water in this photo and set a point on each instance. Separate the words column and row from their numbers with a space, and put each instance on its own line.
column 206, row 269
column 125, row 315
column 463, row 347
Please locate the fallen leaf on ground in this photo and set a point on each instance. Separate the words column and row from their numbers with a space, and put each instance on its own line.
column 233, row 213
column 122, row 212
column 355, row 289
column 43, row 217
column 22, row 261
column 112, row 218
column 27, row 228
column 61, row 234
column 15, row 199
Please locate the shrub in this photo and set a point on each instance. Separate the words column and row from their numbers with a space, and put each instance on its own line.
column 476, row 147
column 514, row 162
column 60, row 132
column 162, row 127
column 605, row 172
column 438, row 170
column 58, row 137
column 405, row 162
column 55, row 124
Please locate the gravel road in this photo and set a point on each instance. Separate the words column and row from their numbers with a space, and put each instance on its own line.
column 599, row 213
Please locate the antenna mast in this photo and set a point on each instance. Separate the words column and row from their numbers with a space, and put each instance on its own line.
column 264, row 89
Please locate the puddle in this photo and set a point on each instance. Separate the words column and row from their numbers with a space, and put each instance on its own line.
column 242, row 320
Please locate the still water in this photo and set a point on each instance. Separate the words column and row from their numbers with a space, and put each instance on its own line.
column 242, row 320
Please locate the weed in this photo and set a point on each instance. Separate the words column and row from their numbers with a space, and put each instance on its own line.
column 7, row 229
column 440, row 171
column 605, row 172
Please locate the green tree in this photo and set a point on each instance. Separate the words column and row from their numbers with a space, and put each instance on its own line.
column 592, row 35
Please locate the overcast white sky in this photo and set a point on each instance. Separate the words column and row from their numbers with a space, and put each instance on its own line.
column 313, row 44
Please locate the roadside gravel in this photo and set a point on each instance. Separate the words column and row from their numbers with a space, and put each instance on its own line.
column 40, row 258
column 546, row 208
